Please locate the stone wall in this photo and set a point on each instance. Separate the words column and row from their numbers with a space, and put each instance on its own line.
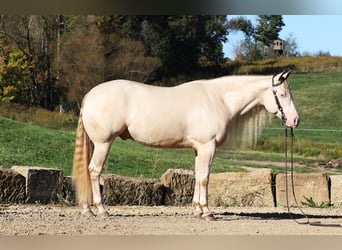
column 257, row 188
column 306, row 186
column 179, row 186
column 12, row 186
column 41, row 185
column 121, row 190
column 243, row 189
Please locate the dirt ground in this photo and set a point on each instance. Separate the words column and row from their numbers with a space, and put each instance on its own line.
column 161, row 220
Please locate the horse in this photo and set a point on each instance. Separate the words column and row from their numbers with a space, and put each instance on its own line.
column 192, row 115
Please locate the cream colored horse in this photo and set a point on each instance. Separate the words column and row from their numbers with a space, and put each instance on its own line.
column 192, row 115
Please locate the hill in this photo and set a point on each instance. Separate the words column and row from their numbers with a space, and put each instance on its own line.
column 318, row 100
column 29, row 145
column 306, row 64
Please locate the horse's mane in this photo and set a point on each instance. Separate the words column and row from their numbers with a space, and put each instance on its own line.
column 245, row 130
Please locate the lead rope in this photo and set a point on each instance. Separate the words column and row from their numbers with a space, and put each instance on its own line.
column 307, row 221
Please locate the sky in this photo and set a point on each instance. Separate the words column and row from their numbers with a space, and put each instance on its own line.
column 312, row 33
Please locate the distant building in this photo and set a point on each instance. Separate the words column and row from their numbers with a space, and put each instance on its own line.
column 279, row 46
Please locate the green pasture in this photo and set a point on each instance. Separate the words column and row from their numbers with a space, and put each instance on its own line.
column 318, row 99
column 31, row 145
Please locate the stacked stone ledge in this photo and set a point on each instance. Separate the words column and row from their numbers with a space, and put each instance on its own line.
column 242, row 189
column 12, row 186
column 258, row 188
column 42, row 184
column 179, row 186
column 121, row 190
column 314, row 186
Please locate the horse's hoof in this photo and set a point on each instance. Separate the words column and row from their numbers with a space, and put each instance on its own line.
column 208, row 217
column 88, row 213
column 198, row 215
column 104, row 214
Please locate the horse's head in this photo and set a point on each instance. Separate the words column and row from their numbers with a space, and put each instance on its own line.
column 281, row 102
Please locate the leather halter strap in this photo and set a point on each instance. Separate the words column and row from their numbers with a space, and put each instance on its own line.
column 280, row 108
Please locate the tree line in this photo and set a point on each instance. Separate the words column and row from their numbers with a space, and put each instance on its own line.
column 51, row 60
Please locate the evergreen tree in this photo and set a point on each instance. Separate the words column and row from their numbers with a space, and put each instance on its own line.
column 268, row 28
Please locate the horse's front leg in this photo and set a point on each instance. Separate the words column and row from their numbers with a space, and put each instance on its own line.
column 205, row 154
column 95, row 169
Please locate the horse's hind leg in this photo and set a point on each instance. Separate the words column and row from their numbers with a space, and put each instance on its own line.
column 98, row 159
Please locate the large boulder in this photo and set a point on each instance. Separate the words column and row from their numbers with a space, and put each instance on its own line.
column 179, row 186
column 42, row 184
column 121, row 190
column 336, row 190
column 313, row 186
column 244, row 189
column 12, row 186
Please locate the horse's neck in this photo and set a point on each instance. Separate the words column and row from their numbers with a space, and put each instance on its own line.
column 242, row 93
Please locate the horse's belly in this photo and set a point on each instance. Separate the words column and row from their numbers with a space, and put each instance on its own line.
column 170, row 135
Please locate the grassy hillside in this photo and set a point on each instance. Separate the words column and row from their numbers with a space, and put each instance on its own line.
column 318, row 100
column 30, row 145
column 307, row 64
column 317, row 96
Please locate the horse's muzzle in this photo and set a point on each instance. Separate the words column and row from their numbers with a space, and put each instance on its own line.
column 292, row 121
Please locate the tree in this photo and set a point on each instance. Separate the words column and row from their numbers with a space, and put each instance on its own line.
column 81, row 64
column 182, row 43
column 15, row 78
column 242, row 24
column 48, row 60
column 246, row 50
column 291, row 47
column 35, row 37
column 127, row 60
column 257, row 39
column 268, row 28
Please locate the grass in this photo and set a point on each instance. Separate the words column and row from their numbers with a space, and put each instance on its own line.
column 306, row 64
column 31, row 145
column 317, row 96
column 318, row 100
column 38, row 116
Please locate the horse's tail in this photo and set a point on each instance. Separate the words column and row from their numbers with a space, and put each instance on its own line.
column 81, row 177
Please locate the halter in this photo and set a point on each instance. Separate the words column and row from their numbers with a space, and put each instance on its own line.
column 283, row 118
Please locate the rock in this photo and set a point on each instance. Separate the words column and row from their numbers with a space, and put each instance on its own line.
column 245, row 189
column 66, row 193
column 12, row 186
column 337, row 163
column 42, row 184
column 312, row 186
column 336, row 190
column 121, row 190
column 179, row 186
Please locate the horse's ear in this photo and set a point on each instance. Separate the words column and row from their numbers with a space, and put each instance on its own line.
column 280, row 78
column 284, row 75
